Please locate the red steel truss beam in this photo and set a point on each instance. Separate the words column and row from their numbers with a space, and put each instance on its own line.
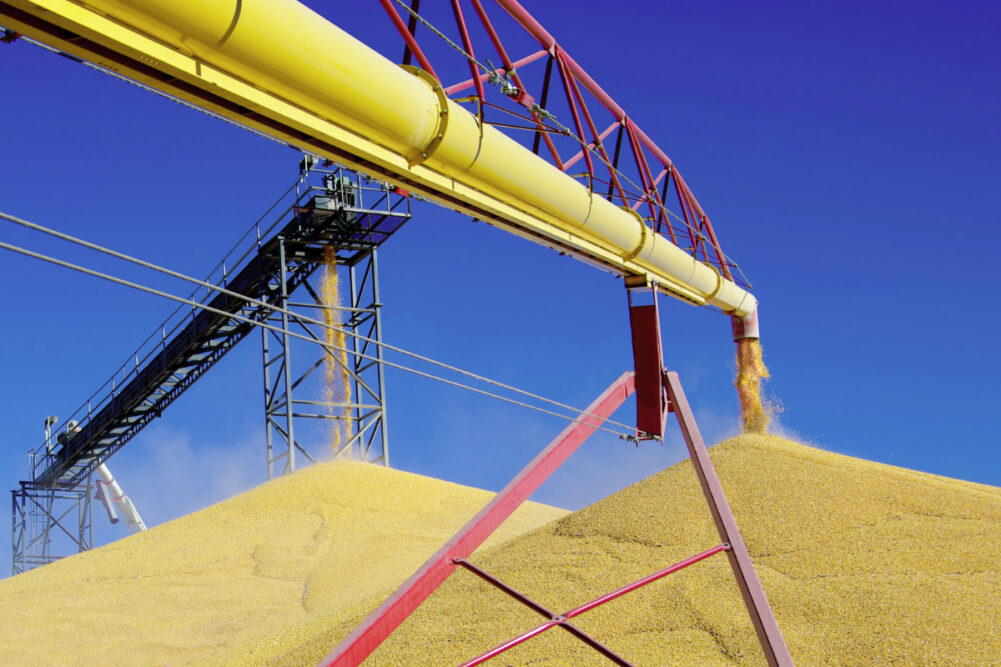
column 568, row 88
column 366, row 637
column 468, row 45
column 598, row 139
column 415, row 6
column 762, row 618
column 680, row 182
column 408, row 37
column 522, row 97
column 548, row 42
column 591, row 144
column 597, row 602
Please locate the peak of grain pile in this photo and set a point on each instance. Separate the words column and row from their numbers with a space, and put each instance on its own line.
column 862, row 562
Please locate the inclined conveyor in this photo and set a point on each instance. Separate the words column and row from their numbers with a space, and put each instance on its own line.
column 320, row 217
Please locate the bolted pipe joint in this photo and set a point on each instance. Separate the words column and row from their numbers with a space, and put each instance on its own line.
column 745, row 327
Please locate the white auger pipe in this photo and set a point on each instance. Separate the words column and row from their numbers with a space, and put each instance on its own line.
column 111, row 494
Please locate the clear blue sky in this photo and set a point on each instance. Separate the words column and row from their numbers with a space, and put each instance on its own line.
column 848, row 154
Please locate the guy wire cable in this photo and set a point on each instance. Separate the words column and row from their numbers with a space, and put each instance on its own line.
column 326, row 346
column 304, row 318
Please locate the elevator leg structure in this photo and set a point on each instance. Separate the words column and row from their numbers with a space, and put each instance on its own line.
column 301, row 426
column 49, row 523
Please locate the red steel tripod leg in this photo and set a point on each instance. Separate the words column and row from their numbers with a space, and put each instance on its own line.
column 760, row 611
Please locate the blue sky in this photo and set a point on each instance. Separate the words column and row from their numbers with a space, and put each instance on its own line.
column 847, row 153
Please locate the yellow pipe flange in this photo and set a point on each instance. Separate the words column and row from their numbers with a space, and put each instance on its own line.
column 719, row 282
column 643, row 234
column 421, row 154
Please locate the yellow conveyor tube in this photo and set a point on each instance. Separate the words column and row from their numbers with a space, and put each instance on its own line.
column 284, row 63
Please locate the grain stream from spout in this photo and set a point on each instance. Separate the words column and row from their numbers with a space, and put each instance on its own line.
column 751, row 370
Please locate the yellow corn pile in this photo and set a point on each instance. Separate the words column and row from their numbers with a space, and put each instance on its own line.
column 328, row 541
column 750, row 371
column 863, row 563
column 337, row 385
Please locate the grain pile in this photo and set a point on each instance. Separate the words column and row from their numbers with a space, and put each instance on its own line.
column 863, row 563
column 328, row 540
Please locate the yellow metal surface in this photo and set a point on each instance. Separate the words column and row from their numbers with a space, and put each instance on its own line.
column 280, row 68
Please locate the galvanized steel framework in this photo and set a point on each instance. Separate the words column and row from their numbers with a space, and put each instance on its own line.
column 49, row 523
column 271, row 261
column 366, row 435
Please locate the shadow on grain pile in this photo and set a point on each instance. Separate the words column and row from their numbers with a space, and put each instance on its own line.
column 863, row 563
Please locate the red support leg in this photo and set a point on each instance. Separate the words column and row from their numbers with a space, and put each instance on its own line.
column 374, row 630
column 760, row 611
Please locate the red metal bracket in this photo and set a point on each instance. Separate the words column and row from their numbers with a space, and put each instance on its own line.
column 380, row 623
column 644, row 322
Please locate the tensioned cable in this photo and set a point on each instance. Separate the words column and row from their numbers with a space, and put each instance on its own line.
column 299, row 316
column 326, row 346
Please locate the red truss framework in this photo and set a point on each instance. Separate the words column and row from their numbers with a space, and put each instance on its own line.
column 521, row 80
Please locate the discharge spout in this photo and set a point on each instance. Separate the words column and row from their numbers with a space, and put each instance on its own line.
column 283, row 69
column 746, row 326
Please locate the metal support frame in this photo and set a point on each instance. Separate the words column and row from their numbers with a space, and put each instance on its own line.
column 293, row 368
column 658, row 392
column 49, row 523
